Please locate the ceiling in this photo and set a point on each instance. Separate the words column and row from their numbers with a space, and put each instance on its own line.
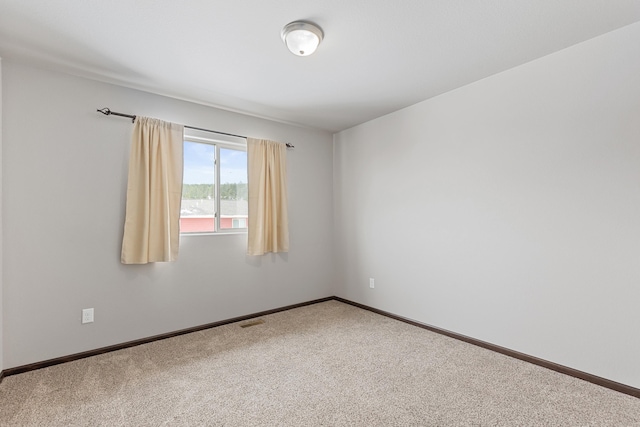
column 377, row 55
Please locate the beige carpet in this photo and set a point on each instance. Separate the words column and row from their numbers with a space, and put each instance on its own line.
column 328, row 364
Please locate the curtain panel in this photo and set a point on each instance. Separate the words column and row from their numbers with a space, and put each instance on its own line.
column 268, row 218
column 154, row 191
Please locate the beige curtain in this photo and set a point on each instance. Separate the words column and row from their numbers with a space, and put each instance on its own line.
column 152, row 222
column 267, row 174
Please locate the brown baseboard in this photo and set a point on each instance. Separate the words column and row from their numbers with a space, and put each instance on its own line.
column 89, row 353
column 603, row 382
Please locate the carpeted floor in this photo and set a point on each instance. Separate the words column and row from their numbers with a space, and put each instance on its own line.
column 328, row 364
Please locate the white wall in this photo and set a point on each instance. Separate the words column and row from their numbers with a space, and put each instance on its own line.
column 507, row 210
column 65, row 168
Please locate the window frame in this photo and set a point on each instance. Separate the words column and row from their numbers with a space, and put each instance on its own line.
column 218, row 141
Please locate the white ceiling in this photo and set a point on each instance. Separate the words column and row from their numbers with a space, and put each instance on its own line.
column 377, row 55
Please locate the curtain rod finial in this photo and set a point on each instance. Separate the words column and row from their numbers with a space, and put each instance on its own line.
column 104, row 111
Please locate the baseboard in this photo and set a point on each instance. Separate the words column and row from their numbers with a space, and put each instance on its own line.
column 603, row 382
column 102, row 350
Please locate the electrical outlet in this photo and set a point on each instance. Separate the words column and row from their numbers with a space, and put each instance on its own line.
column 87, row 315
column 371, row 284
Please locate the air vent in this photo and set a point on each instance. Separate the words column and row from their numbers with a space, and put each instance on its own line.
column 252, row 323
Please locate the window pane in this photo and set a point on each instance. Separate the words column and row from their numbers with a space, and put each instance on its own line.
column 233, row 188
column 197, row 213
column 239, row 223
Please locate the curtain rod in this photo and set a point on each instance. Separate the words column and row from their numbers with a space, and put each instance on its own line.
column 108, row 112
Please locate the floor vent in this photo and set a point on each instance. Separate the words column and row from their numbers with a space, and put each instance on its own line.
column 252, row 323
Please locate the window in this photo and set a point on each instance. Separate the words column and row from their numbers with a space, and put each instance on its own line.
column 239, row 223
column 214, row 191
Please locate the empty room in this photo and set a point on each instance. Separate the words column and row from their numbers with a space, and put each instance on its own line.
column 329, row 213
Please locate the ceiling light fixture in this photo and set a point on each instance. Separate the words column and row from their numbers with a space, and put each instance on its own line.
column 301, row 37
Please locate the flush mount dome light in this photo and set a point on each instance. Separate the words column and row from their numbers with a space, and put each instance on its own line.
column 302, row 38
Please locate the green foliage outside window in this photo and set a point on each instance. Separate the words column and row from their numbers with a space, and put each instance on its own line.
column 228, row 191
